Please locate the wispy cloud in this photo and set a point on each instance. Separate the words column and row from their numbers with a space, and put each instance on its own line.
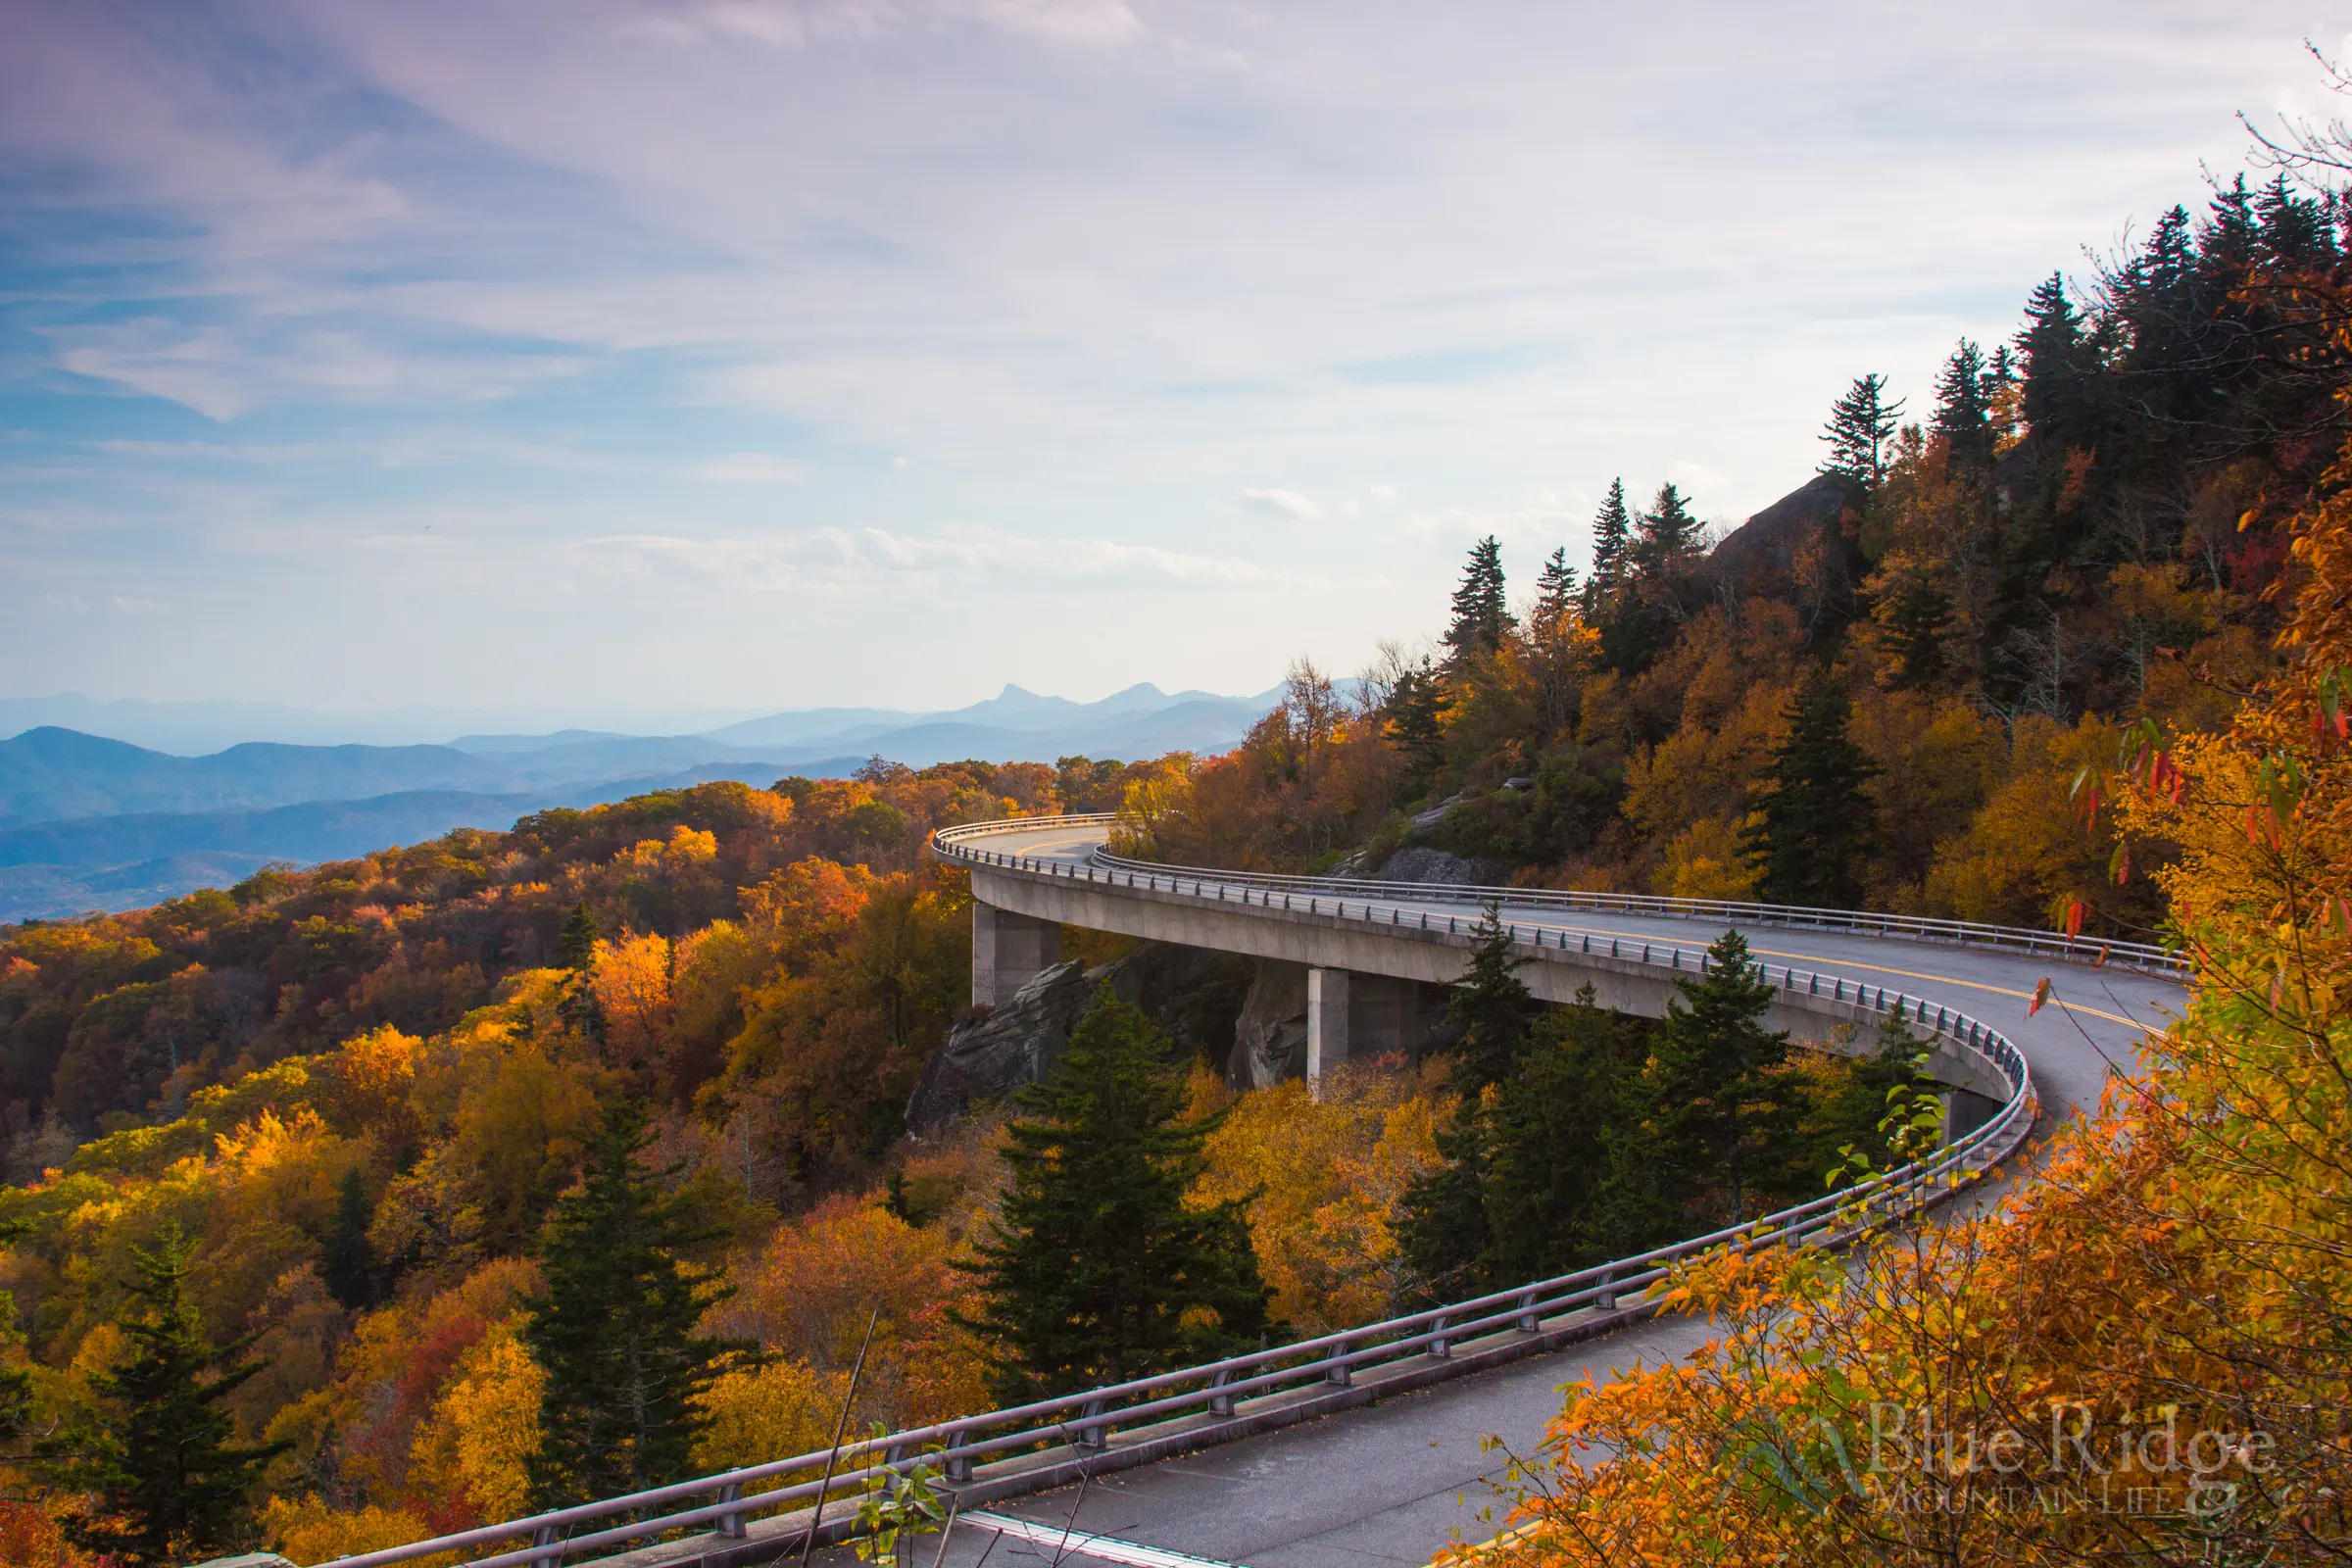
column 1287, row 505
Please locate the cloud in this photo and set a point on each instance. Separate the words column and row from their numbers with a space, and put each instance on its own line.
column 1287, row 505
column 829, row 559
column 749, row 467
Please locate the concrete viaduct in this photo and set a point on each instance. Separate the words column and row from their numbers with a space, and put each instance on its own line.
column 1368, row 1446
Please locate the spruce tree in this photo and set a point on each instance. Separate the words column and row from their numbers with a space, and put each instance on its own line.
column 1964, row 410
column 1706, row 1123
column 1555, row 597
column 160, row 1461
column 1613, row 543
column 1480, row 618
column 578, row 942
column 1815, row 822
column 1097, row 1270
column 1441, row 1224
column 1415, row 717
column 1547, row 1165
column 349, row 1266
column 2057, row 396
column 616, row 1329
column 1861, row 429
column 1492, row 1007
column 1668, row 535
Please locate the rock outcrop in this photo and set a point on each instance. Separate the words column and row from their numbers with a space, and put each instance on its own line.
column 1269, row 1038
column 1192, row 995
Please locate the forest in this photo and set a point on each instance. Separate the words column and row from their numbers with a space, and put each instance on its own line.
column 338, row 1168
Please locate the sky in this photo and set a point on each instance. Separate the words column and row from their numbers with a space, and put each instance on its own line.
column 753, row 354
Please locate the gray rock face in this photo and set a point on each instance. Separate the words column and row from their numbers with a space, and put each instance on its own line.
column 1192, row 995
column 1426, row 863
column 1269, row 1038
column 988, row 1056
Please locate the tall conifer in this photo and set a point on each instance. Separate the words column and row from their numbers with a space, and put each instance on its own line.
column 1441, row 1224
column 1098, row 1270
column 616, row 1329
column 159, row 1459
column 1816, row 822
column 1964, row 410
column 1862, row 425
column 1481, row 615
column 1612, row 540
column 1704, row 1113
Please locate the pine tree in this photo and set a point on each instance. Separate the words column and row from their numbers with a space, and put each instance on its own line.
column 1706, row 1116
column 1555, row 598
column 2056, row 401
column 349, row 1267
column 1548, row 1158
column 1492, row 1007
column 1480, row 618
column 1097, row 1270
column 1668, row 536
column 1416, row 716
column 1612, row 542
column 616, row 1330
column 1862, row 425
column 1556, row 639
column 1441, row 1224
column 159, row 1459
column 579, row 939
column 1816, row 822
column 1964, row 410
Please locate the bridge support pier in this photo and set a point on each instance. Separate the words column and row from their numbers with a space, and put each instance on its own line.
column 1327, row 1033
column 1009, row 951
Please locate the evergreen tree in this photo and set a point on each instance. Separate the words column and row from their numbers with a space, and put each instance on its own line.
column 1097, row 1270
column 1916, row 617
column 1860, row 432
column 1816, row 822
column 579, row 939
column 1668, row 537
column 1612, row 544
column 1416, row 716
column 1545, row 1170
column 1964, row 410
column 1706, row 1116
column 161, row 1462
column 1556, row 639
column 349, row 1267
column 1492, row 1007
column 2058, row 361
column 1441, row 1224
column 616, row 1330
column 1555, row 598
column 1480, row 618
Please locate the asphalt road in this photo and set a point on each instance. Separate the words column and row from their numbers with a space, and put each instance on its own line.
column 1395, row 1481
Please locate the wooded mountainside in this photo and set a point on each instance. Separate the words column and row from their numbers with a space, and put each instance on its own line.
column 338, row 1106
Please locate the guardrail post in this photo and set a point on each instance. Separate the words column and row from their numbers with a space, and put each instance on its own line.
column 1527, row 1312
column 731, row 1525
column 1442, row 1346
column 1092, row 1434
column 958, row 1466
column 1604, row 1298
column 1338, row 1372
column 544, row 1536
column 1220, row 1406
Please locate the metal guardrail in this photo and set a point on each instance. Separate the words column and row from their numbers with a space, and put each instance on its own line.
column 2144, row 957
column 1203, row 1398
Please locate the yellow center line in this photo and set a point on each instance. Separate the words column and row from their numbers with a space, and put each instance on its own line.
column 1907, row 974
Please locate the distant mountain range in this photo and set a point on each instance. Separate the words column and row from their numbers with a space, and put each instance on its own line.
column 93, row 822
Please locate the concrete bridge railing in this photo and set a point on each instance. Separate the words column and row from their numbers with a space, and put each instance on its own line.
column 708, row 1522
